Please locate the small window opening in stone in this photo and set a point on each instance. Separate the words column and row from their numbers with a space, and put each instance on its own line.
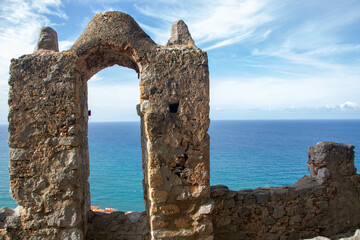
column 173, row 107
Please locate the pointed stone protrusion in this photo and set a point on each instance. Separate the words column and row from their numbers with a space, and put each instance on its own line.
column 180, row 35
column 48, row 40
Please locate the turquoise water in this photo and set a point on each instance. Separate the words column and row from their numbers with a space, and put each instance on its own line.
column 244, row 154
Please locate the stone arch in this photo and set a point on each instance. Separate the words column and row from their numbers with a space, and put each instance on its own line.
column 49, row 162
column 111, row 38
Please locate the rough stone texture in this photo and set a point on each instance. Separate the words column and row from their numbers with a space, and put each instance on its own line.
column 48, row 117
column 356, row 236
column 48, row 168
column 118, row 225
column 313, row 206
column 324, row 164
column 180, row 35
column 49, row 157
column 10, row 218
column 48, row 40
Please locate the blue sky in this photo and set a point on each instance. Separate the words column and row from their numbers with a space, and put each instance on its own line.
column 269, row 59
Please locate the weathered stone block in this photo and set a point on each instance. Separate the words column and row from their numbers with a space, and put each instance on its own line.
column 278, row 212
column 17, row 154
column 10, row 218
column 262, row 197
column 72, row 234
column 206, row 208
column 170, row 209
column 329, row 159
column 158, row 196
column 182, row 222
column 65, row 217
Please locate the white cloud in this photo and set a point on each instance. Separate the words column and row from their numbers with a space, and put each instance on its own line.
column 349, row 105
column 65, row 45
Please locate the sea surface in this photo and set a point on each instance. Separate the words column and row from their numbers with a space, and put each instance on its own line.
column 244, row 154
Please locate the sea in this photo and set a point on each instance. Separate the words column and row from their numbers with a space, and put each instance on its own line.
column 243, row 154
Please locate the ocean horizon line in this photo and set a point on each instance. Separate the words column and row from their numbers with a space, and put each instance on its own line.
column 265, row 119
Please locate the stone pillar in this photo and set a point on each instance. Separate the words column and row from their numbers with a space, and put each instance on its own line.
column 329, row 160
column 48, row 171
column 175, row 119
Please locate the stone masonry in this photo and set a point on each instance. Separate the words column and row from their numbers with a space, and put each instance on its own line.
column 49, row 157
column 324, row 203
column 48, row 119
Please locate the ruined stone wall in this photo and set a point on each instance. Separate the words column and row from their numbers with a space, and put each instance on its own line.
column 176, row 123
column 48, row 172
column 48, row 119
column 324, row 203
column 49, row 157
column 118, row 225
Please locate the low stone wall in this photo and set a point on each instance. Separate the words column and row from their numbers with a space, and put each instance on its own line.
column 324, row 203
column 118, row 225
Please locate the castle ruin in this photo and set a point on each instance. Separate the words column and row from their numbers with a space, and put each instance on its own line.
column 49, row 157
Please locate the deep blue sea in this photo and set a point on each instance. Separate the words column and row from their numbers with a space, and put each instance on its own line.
column 244, row 154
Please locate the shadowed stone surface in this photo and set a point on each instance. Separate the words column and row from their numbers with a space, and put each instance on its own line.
column 10, row 218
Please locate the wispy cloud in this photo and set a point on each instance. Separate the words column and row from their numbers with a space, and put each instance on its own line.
column 320, row 40
column 277, row 93
column 229, row 41
column 65, row 44
column 213, row 24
